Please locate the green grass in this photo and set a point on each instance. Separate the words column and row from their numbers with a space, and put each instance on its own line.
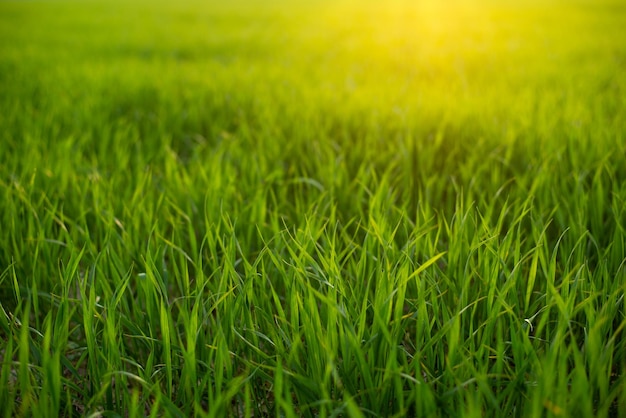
column 312, row 208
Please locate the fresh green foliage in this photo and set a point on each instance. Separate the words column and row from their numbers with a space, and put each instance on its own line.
column 319, row 208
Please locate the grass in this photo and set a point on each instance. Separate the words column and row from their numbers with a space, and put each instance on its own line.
column 312, row 209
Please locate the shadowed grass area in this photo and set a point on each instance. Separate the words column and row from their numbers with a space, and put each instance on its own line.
column 312, row 209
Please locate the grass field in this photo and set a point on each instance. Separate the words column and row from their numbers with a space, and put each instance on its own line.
column 325, row 208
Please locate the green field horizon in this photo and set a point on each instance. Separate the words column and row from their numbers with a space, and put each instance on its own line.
column 322, row 209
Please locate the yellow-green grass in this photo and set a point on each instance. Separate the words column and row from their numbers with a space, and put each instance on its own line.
column 327, row 208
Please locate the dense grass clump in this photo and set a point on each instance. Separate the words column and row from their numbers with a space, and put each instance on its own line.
column 312, row 208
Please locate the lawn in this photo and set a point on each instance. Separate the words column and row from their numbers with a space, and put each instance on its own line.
column 312, row 208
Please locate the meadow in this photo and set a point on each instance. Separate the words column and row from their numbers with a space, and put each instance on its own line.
column 312, row 208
